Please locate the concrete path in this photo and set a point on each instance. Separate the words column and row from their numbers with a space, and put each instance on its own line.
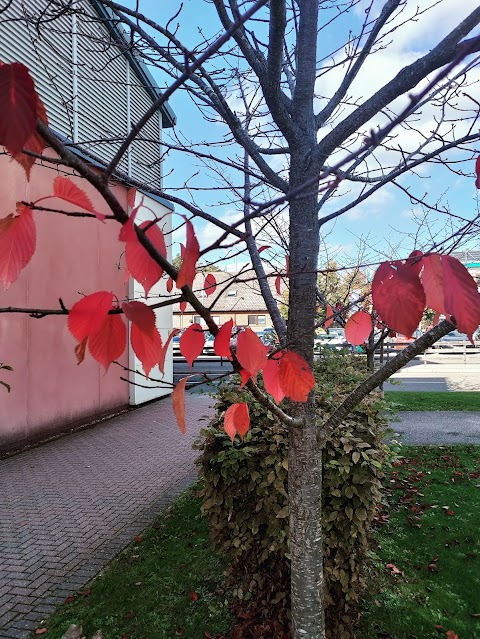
column 69, row 506
column 442, row 427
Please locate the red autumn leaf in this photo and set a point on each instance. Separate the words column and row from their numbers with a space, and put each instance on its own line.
column 137, row 539
column 263, row 248
column 163, row 354
column 251, row 352
column 271, row 380
column 295, row 377
column 221, row 343
column 192, row 342
column 358, row 328
column 398, row 296
column 394, row 569
column 190, row 256
column 88, row 314
column 147, row 346
column 414, row 261
column 107, row 344
column 127, row 232
column 451, row 634
column 236, row 420
column 80, row 350
column 462, row 299
column 210, row 284
column 182, row 250
column 329, row 316
column 144, row 336
column 34, row 143
column 432, row 281
column 278, row 282
column 244, row 377
column 66, row 190
column 178, row 399
column 141, row 266
column 477, row 172
column 18, row 107
column 193, row 596
column 141, row 314
column 131, row 195
column 169, row 285
column 41, row 631
column 18, row 239
column 183, row 306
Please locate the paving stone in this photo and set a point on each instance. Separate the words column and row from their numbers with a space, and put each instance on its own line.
column 69, row 506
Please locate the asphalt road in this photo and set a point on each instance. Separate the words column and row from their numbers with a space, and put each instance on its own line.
column 422, row 374
column 440, row 427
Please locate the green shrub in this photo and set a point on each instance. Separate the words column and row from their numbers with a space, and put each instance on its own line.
column 245, row 498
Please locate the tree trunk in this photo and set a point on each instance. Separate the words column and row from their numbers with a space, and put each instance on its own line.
column 305, row 461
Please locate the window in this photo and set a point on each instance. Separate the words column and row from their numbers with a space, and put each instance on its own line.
column 232, row 293
column 197, row 319
column 257, row 319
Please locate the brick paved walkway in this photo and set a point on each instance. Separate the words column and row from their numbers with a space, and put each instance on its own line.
column 69, row 506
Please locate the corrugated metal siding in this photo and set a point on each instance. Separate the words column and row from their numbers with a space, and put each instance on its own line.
column 47, row 53
column 102, row 90
column 102, row 82
column 146, row 152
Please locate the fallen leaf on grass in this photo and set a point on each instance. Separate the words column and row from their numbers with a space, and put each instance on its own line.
column 137, row 539
column 395, row 570
column 452, row 635
column 41, row 631
column 193, row 595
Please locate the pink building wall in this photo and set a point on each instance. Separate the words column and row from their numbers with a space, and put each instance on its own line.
column 73, row 255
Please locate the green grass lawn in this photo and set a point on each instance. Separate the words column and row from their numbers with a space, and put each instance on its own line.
column 413, row 400
column 428, row 554
column 424, row 582
column 166, row 584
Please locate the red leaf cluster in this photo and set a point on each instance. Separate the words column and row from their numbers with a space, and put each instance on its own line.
column 20, row 108
column 237, row 420
column 400, row 292
column 91, row 324
column 295, row 377
column 141, row 266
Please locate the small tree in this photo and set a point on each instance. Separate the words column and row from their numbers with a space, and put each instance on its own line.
column 302, row 142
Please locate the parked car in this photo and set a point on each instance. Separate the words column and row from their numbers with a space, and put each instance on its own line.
column 333, row 338
column 452, row 338
column 269, row 337
column 400, row 341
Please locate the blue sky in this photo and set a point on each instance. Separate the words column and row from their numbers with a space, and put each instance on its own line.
column 385, row 217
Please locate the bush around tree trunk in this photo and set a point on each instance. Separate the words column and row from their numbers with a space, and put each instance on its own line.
column 246, row 503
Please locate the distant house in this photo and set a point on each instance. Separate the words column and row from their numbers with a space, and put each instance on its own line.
column 238, row 299
column 93, row 88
